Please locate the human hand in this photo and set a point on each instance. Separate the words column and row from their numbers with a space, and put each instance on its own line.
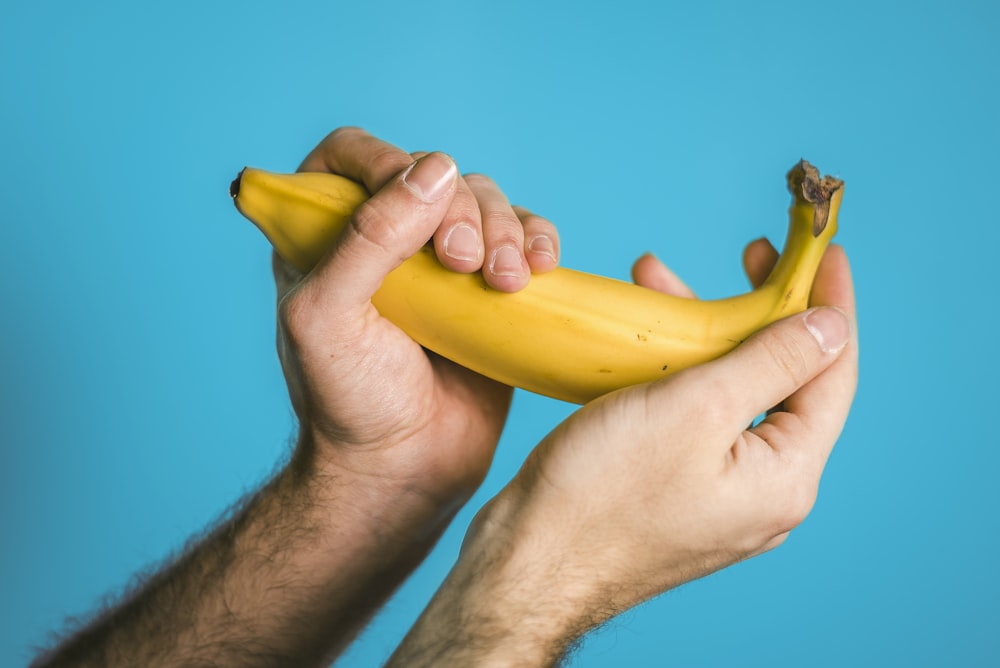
column 369, row 399
column 392, row 439
column 664, row 483
column 652, row 486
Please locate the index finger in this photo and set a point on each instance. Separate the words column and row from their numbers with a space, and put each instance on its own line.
column 354, row 153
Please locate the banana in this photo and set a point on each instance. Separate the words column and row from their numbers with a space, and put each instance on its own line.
column 569, row 335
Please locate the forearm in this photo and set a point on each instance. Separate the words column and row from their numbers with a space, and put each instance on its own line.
column 289, row 580
column 507, row 602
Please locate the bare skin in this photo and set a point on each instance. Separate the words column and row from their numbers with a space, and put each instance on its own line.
column 650, row 487
column 393, row 441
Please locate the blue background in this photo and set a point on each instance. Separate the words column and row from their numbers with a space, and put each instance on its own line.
column 140, row 393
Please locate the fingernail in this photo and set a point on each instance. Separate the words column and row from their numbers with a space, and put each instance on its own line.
column 506, row 262
column 431, row 177
column 830, row 327
column 462, row 243
column 543, row 245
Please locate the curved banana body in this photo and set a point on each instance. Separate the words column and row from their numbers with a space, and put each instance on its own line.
column 569, row 335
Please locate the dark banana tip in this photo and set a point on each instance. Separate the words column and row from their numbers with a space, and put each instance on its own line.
column 807, row 187
column 234, row 187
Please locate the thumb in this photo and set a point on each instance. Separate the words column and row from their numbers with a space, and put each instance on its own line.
column 386, row 230
column 776, row 361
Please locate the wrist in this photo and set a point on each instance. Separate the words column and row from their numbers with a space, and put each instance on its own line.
column 366, row 491
column 531, row 556
column 510, row 600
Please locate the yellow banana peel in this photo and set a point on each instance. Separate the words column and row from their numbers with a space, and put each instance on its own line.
column 569, row 335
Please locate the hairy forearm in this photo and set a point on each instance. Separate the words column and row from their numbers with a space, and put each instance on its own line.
column 507, row 602
column 289, row 580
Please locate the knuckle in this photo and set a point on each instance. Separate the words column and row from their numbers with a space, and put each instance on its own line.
column 373, row 225
column 772, row 542
column 777, row 541
column 786, row 355
column 500, row 224
column 347, row 130
column 537, row 224
column 797, row 502
column 295, row 315
column 463, row 210
column 504, row 221
column 529, row 218
column 522, row 212
column 386, row 161
column 344, row 133
column 477, row 180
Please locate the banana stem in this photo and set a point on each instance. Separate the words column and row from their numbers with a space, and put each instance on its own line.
column 812, row 222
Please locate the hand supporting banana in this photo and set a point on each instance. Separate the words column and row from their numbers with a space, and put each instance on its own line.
column 569, row 335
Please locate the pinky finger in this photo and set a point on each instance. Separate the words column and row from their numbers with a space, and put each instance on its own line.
column 541, row 241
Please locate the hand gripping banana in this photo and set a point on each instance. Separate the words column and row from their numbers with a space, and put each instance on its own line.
column 569, row 335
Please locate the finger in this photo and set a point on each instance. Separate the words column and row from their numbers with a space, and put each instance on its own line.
column 759, row 258
column 822, row 405
column 775, row 362
column 541, row 241
column 354, row 153
column 388, row 228
column 505, row 267
column 458, row 241
column 649, row 272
